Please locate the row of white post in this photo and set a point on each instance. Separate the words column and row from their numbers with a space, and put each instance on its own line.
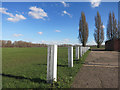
column 52, row 60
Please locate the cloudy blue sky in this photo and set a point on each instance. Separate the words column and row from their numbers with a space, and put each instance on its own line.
column 52, row 22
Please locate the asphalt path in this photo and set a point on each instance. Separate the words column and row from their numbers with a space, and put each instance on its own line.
column 99, row 71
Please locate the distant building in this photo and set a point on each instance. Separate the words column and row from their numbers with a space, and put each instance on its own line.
column 112, row 45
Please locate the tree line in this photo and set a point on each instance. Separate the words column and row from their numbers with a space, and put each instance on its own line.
column 113, row 29
column 8, row 43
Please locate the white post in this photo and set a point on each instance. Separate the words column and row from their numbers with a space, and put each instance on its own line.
column 85, row 49
column 77, row 52
column 52, row 63
column 88, row 48
column 80, row 51
column 70, row 56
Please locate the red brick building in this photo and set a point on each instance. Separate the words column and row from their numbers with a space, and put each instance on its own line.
column 112, row 45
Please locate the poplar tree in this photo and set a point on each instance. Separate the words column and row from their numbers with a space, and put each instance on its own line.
column 109, row 27
column 115, row 30
column 118, row 29
column 99, row 31
column 112, row 30
column 83, row 30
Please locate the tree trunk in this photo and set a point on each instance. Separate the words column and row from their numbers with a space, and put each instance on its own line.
column 98, row 46
column 84, row 45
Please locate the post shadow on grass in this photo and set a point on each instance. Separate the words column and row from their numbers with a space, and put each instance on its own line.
column 76, row 60
column 62, row 65
column 57, row 65
column 36, row 80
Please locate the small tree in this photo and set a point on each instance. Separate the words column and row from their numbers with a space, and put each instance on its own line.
column 99, row 32
column 9, row 43
column 83, row 30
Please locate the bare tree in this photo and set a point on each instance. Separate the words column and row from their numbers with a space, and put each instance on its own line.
column 4, row 43
column 99, row 32
column 83, row 30
column 9, row 43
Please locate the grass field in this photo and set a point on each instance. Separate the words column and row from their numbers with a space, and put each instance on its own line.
column 27, row 68
column 95, row 47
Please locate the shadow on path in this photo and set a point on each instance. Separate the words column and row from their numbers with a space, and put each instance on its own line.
column 98, row 50
column 37, row 80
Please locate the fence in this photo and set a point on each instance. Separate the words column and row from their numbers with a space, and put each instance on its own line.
column 52, row 59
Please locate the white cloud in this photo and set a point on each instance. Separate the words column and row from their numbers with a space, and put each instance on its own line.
column 4, row 11
column 64, row 41
column 43, row 41
column 65, row 4
column 40, row 33
column 103, row 26
column 91, row 42
column 16, row 18
column 37, row 13
column 57, row 31
column 95, row 3
column 12, row 18
column 17, row 35
column 66, row 13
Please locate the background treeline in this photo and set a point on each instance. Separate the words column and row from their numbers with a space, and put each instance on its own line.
column 8, row 43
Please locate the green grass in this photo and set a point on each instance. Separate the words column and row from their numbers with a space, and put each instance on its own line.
column 27, row 68
column 95, row 47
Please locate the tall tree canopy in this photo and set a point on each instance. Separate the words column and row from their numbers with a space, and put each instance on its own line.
column 112, row 30
column 99, row 32
column 83, row 30
column 118, row 29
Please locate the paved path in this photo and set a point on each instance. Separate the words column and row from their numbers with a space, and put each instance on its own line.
column 99, row 71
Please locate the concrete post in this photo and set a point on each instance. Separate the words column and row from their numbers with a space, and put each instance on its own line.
column 52, row 63
column 70, row 56
column 85, row 49
column 80, row 51
column 77, row 52
column 88, row 48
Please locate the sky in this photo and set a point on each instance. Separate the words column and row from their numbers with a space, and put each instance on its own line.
column 52, row 22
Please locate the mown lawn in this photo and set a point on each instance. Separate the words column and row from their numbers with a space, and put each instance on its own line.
column 27, row 68
column 95, row 47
